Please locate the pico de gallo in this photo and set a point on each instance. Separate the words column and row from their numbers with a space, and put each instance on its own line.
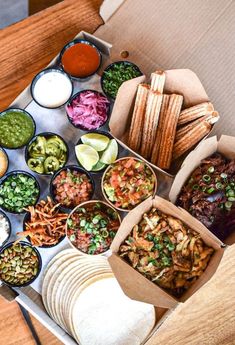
column 92, row 227
column 128, row 182
column 71, row 187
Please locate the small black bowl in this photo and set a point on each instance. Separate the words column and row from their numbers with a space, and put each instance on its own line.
column 72, row 43
column 77, row 95
column 46, row 135
column 16, row 172
column 9, row 224
column 127, row 63
column 107, row 134
column 74, row 168
column 7, row 158
column 26, row 113
column 24, row 244
column 25, row 220
column 38, row 76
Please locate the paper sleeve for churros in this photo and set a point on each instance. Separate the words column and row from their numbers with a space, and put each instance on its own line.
column 182, row 81
column 133, row 283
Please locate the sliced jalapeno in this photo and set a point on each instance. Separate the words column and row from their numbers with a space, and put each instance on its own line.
column 52, row 149
column 51, row 164
column 37, row 148
column 36, row 164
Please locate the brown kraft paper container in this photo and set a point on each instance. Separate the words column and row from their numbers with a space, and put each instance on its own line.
column 226, row 146
column 180, row 81
column 133, row 283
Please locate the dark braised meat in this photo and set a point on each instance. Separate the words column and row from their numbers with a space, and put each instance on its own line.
column 209, row 194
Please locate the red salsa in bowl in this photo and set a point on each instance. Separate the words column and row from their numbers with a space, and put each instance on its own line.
column 71, row 186
column 91, row 227
column 127, row 182
column 80, row 59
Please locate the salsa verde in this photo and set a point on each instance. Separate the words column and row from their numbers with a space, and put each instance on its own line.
column 16, row 129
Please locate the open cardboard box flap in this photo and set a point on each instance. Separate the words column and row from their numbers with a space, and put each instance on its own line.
column 134, row 284
column 180, row 81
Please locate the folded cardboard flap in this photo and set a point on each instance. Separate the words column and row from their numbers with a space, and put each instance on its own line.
column 179, row 81
column 133, row 283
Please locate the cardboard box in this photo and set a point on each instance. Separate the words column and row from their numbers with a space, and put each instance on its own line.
column 225, row 145
column 133, row 283
column 180, row 81
column 163, row 35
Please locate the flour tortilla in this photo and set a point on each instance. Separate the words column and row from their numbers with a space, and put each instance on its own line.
column 56, row 277
column 69, row 284
column 55, row 262
column 75, row 288
column 87, row 282
column 103, row 314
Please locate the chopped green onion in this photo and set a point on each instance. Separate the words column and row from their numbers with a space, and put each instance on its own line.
column 195, row 186
column 231, row 198
column 210, row 190
column 231, row 192
column 82, row 222
column 105, row 233
column 72, row 238
column 219, row 185
column 228, row 205
column 223, row 175
column 206, row 178
column 211, row 170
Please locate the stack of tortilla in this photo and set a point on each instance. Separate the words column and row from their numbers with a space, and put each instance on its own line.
column 82, row 295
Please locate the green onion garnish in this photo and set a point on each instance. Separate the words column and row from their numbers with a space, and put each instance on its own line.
column 195, row 186
column 206, row 178
column 223, row 175
column 228, row 205
column 230, row 192
column 219, row 185
column 211, row 170
column 231, row 198
column 210, row 190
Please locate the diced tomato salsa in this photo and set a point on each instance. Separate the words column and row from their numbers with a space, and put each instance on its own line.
column 71, row 188
column 128, row 182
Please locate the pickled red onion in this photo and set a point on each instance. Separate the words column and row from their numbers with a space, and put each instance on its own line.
column 89, row 110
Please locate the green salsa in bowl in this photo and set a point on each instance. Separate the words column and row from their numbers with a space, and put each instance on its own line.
column 17, row 127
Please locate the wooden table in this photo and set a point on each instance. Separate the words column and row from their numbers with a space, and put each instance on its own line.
column 208, row 318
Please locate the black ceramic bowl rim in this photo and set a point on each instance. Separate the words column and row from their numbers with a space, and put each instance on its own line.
column 7, row 158
column 107, row 134
column 77, row 95
column 26, row 218
column 44, row 134
column 38, row 76
column 111, row 66
column 72, row 43
column 26, row 113
column 9, row 223
column 71, row 167
column 24, row 244
column 16, row 172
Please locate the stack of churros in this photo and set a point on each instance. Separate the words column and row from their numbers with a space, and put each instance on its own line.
column 160, row 130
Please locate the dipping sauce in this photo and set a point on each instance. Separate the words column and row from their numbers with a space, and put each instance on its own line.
column 81, row 60
column 3, row 163
column 52, row 89
column 16, row 128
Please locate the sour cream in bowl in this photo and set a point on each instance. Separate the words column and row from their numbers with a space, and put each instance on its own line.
column 51, row 88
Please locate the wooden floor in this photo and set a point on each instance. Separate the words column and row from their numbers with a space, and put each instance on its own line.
column 14, row 329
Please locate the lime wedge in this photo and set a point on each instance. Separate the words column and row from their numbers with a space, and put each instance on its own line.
column 99, row 166
column 99, row 142
column 111, row 152
column 87, row 156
